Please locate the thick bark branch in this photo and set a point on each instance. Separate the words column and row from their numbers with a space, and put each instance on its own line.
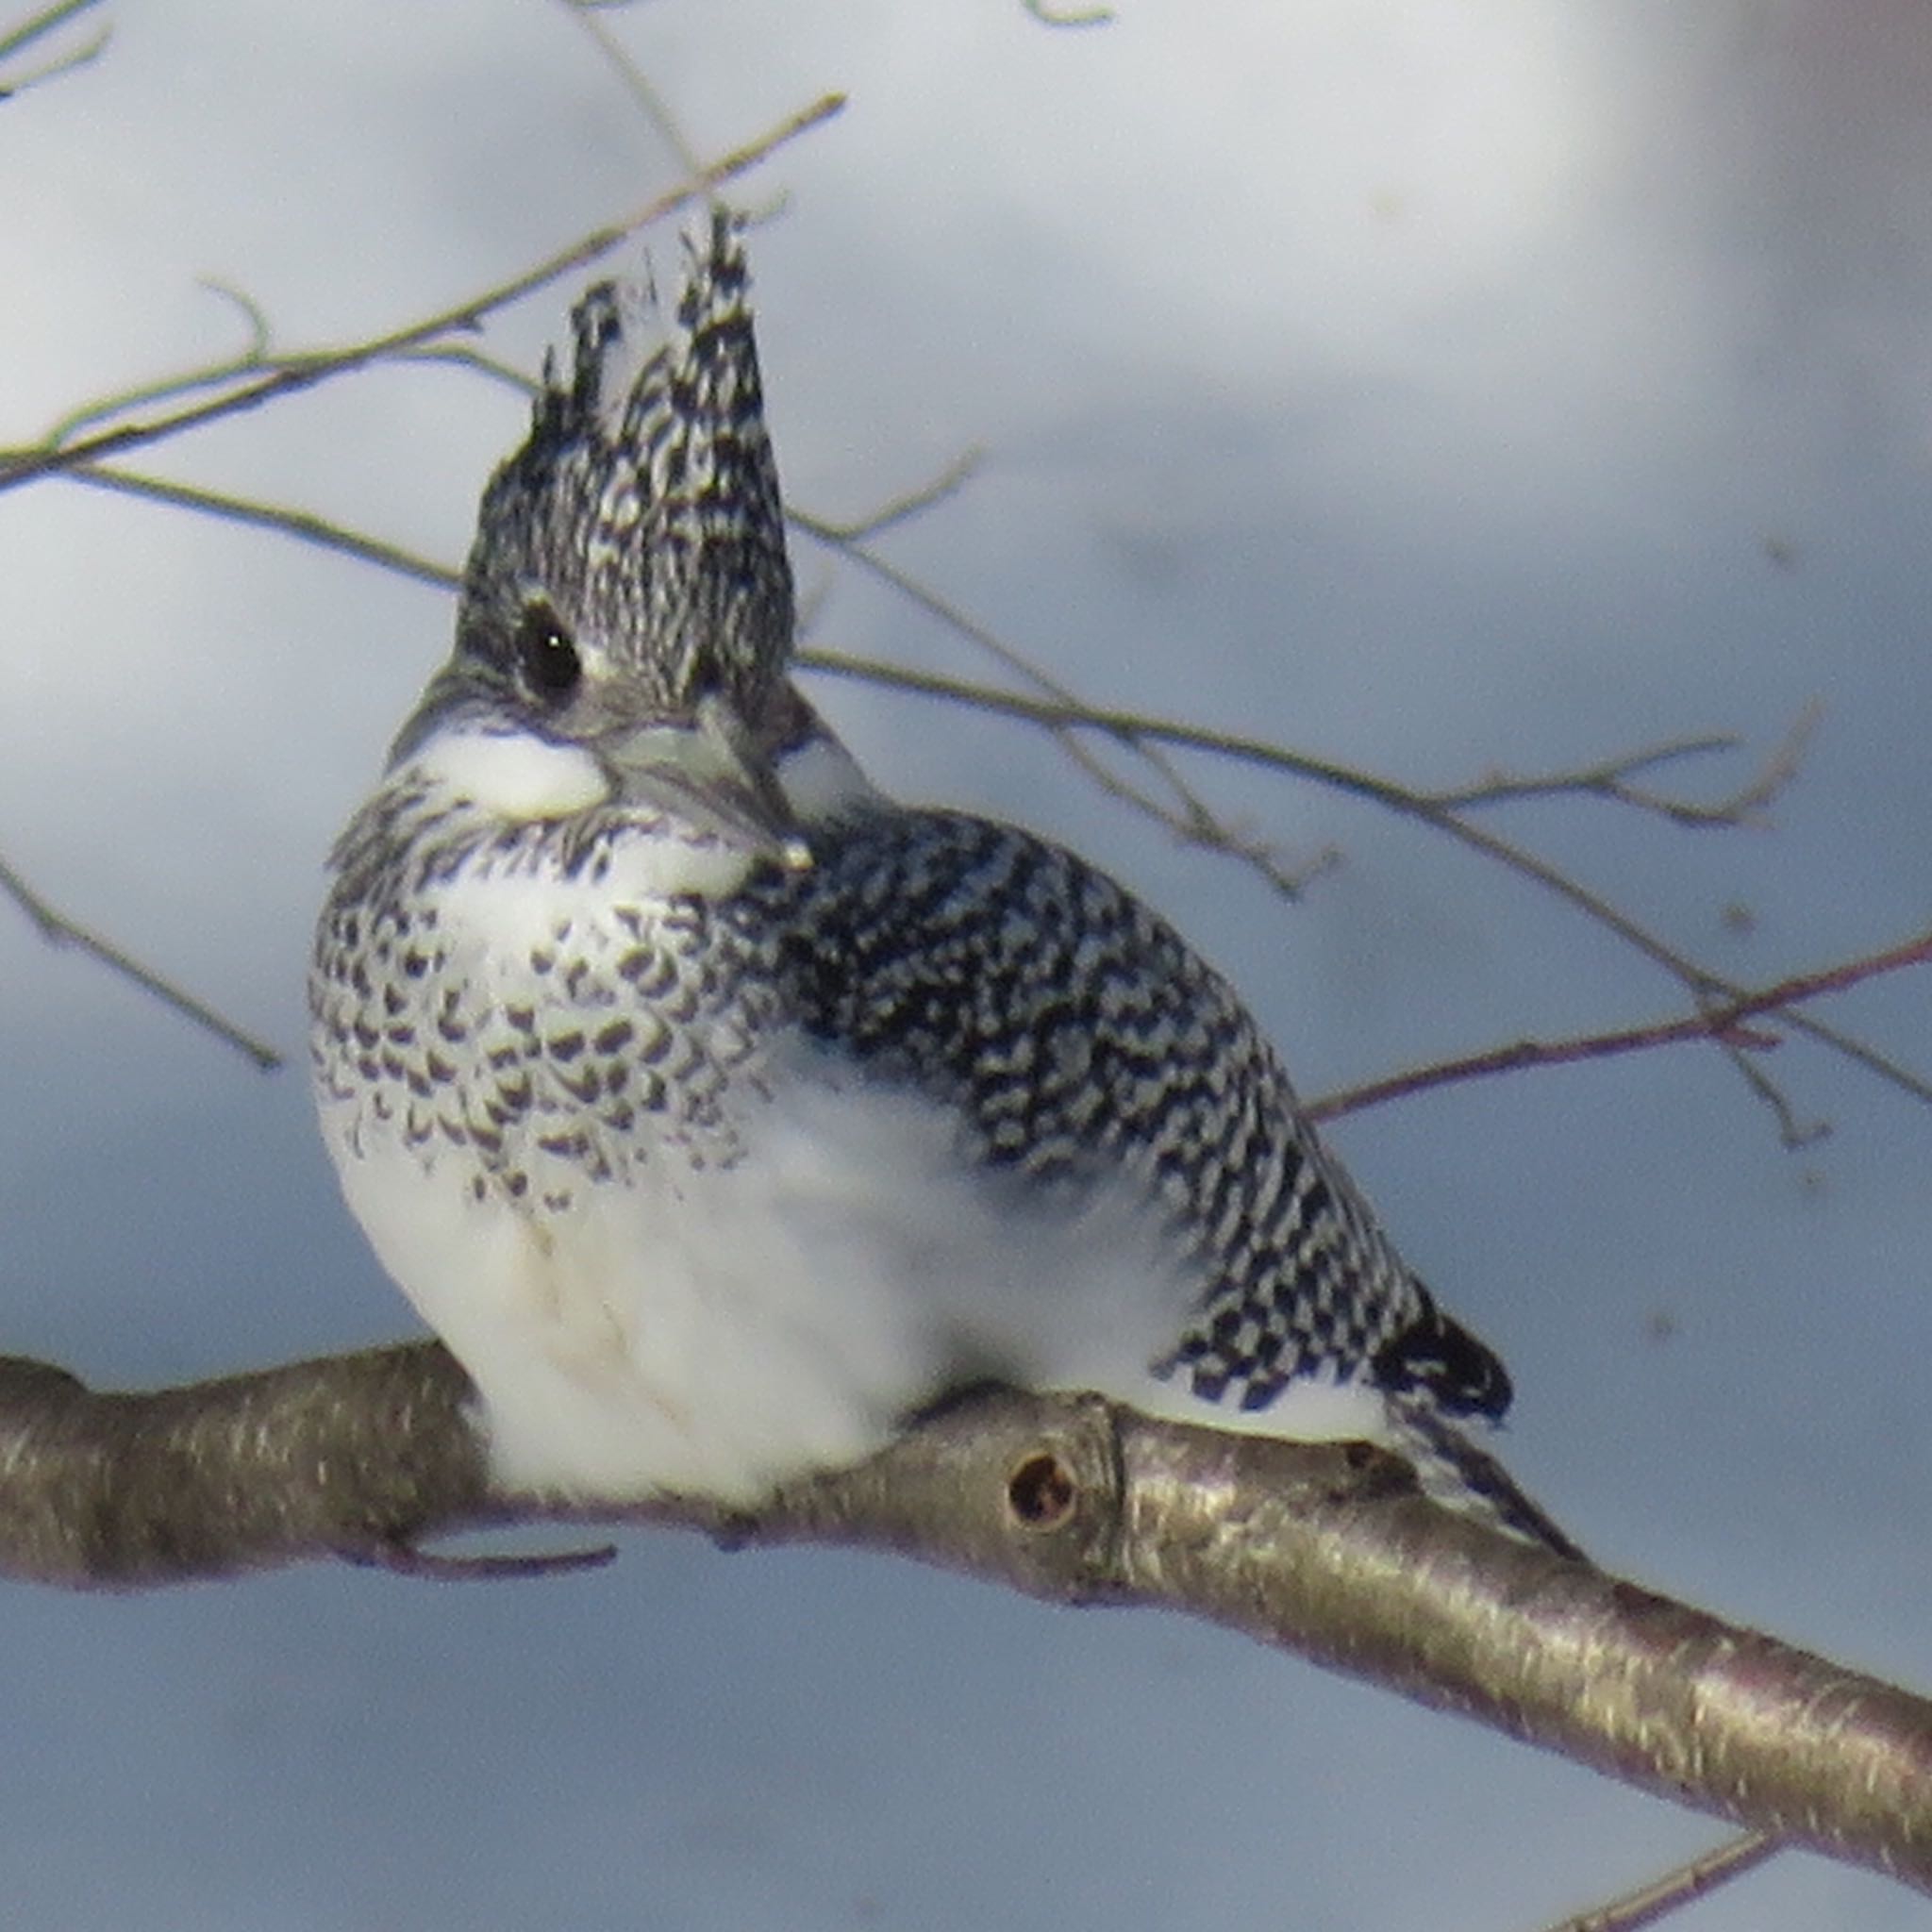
column 1327, row 1551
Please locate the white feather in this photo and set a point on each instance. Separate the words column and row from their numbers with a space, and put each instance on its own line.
column 511, row 776
column 716, row 1332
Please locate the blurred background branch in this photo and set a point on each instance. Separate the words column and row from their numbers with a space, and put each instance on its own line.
column 16, row 78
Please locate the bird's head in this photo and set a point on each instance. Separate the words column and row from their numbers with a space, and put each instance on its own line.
column 627, row 599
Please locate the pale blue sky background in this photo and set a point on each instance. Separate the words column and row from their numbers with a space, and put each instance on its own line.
column 1427, row 384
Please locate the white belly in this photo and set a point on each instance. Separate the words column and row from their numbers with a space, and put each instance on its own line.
column 713, row 1332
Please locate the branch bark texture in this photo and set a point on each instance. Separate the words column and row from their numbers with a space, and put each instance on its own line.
column 1327, row 1551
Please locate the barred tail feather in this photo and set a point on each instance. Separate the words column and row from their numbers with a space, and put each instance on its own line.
column 1454, row 1472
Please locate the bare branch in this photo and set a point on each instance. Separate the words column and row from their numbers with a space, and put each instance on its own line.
column 296, row 372
column 1193, row 824
column 1082, row 16
column 303, row 525
column 1704, row 985
column 257, row 357
column 1725, row 1023
column 1718, row 1020
column 1611, row 779
column 1189, row 817
column 1690, row 1880
column 1326, row 1550
column 49, row 20
column 253, row 377
column 36, row 25
column 59, row 930
column 901, row 508
column 636, row 82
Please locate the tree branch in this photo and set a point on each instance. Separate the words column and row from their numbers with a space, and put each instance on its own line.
column 253, row 380
column 1138, row 728
column 1325, row 1549
column 1725, row 1023
column 47, row 21
column 59, row 930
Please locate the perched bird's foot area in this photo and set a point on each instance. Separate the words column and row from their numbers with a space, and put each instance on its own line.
column 959, row 1395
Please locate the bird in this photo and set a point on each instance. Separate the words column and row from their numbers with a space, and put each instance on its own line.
column 722, row 1114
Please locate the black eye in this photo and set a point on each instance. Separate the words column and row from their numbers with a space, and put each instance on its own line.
column 546, row 655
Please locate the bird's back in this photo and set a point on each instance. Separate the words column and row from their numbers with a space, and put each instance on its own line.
column 1084, row 1046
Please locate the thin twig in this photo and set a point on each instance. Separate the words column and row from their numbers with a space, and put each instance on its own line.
column 49, row 20
column 304, row 372
column 1199, row 827
column 84, row 54
column 637, row 83
column 257, row 357
column 1688, row 1881
column 45, row 22
column 1191, row 821
column 467, row 356
column 1611, row 779
column 306, row 527
column 1193, row 811
column 1716, row 1023
column 1703, row 984
column 402, row 1558
column 1724, row 1022
column 59, row 930
column 1608, row 778
column 1793, row 1132
column 903, row 508
column 1084, row 16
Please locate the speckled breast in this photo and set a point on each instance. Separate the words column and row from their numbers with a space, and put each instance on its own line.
column 507, row 1011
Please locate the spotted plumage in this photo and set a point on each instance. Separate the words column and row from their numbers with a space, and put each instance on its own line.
column 721, row 1112
column 1077, row 1037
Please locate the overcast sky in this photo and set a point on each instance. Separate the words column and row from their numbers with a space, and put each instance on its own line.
column 1435, row 384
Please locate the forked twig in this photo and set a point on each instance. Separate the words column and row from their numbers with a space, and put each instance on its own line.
column 296, row 372
column 1706, row 986
column 1611, row 779
column 1187, row 816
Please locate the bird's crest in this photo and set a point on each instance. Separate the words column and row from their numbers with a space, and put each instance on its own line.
column 646, row 499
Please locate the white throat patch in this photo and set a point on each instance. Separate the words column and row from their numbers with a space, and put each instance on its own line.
column 514, row 774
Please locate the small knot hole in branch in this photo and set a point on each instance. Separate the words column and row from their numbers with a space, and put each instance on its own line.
column 1042, row 1491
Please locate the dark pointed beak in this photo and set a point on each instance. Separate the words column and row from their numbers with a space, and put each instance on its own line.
column 713, row 771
